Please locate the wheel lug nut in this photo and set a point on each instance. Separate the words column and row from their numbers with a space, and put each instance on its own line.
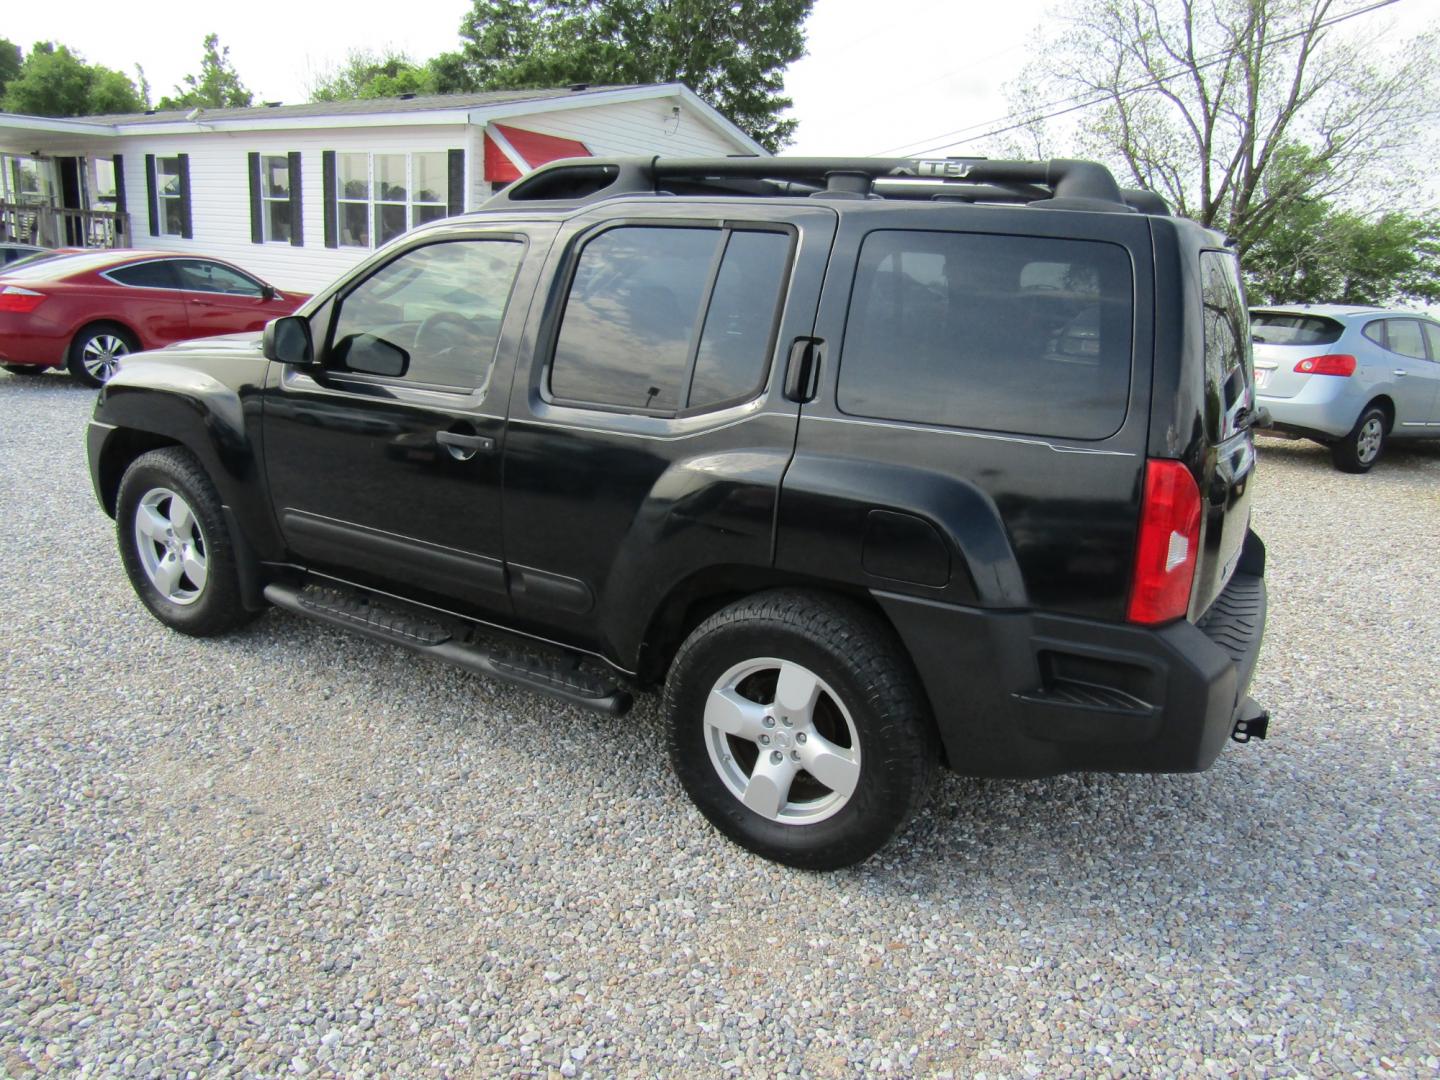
column 764, row 740
column 769, row 721
column 800, row 736
column 794, row 755
column 776, row 757
column 787, row 721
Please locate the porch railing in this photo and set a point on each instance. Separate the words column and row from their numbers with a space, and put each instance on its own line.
column 52, row 226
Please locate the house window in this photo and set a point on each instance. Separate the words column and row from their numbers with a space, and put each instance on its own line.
column 275, row 198
column 380, row 196
column 170, row 195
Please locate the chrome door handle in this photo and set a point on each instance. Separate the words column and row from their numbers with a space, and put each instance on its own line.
column 1401, row 372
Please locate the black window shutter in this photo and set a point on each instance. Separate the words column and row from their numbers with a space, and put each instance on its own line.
column 118, row 164
column 297, row 205
column 257, row 205
column 327, row 177
column 455, row 197
column 150, row 193
column 186, row 229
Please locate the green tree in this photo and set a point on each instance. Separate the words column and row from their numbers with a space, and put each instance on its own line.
column 733, row 53
column 217, row 86
column 53, row 81
column 1201, row 102
column 10, row 55
column 367, row 74
column 1316, row 254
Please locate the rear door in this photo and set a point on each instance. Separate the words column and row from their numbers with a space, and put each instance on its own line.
column 1405, row 363
column 648, row 437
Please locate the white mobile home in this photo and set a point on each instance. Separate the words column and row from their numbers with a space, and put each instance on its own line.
column 299, row 193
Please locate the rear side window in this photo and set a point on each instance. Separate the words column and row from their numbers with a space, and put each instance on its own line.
column 1006, row 333
column 1229, row 370
column 148, row 275
column 1399, row 336
column 662, row 319
column 1273, row 328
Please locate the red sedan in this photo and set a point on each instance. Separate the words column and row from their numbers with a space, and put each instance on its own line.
column 85, row 311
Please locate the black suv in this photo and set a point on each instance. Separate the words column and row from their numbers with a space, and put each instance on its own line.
column 872, row 465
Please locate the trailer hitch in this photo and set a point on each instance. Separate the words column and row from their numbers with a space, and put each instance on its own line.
column 1251, row 722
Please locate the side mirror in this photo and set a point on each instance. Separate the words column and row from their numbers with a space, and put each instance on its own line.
column 268, row 292
column 287, row 341
column 372, row 355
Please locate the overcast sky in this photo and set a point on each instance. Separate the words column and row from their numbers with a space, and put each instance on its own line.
column 882, row 75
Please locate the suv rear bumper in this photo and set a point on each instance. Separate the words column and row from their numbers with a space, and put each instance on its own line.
column 1026, row 694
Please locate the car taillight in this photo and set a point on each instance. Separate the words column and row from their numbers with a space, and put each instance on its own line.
column 13, row 298
column 1169, row 545
column 1329, row 364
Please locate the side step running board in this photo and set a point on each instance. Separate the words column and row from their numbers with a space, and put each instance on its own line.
column 353, row 611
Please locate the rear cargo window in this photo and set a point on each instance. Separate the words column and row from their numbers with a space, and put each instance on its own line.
column 1002, row 333
column 1229, row 370
column 1273, row 328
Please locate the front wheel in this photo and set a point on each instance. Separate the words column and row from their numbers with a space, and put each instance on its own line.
column 174, row 544
column 798, row 728
column 1358, row 451
column 96, row 351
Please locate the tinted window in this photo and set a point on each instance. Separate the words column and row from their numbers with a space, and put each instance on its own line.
column 441, row 305
column 201, row 275
column 1403, row 336
column 149, row 275
column 1004, row 333
column 735, row 344
column 633, row 304
column 1229, row 371
column 1272, row 328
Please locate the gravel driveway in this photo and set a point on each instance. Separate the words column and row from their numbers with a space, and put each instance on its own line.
column 294, row 852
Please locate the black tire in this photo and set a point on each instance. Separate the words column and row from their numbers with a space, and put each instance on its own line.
column 1358, row 451
column 94, row 349
column 205, row 608
column 861, row 669
column 25, row 369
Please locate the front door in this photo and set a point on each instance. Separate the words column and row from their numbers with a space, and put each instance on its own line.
column 393, row 479
column 221, row 300
column 648, row 438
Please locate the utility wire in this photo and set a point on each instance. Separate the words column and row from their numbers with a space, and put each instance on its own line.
column 1073, row 104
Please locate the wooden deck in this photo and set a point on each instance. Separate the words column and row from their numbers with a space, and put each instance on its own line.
column 51, row 226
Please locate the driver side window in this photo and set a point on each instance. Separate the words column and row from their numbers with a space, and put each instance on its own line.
column 440, row 305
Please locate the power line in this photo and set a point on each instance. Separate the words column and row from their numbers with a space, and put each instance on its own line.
column 1074, row 104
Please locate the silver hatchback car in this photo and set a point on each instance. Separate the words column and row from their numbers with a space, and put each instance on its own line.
column 1352, row 378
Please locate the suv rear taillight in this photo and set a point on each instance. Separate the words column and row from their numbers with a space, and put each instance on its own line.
column 1169, row 544
column 1329, row 364
column 21, row 301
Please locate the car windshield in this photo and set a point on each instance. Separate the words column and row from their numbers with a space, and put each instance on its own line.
column 1278, row 328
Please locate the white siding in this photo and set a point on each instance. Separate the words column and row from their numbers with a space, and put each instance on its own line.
column 220, row 194
column 220, row 183
column 634, row 127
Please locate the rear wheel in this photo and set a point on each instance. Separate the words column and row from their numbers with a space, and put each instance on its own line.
column 24, row 369
column 95, row 353
column 1358, row 451
column 175, row 546
column 798, row 728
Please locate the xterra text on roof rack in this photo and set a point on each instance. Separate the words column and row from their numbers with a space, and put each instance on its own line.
column 872, row 465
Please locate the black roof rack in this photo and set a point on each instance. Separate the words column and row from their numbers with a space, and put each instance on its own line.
column 1060, row 183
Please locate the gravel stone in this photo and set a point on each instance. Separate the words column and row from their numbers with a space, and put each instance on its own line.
column 293, row 851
